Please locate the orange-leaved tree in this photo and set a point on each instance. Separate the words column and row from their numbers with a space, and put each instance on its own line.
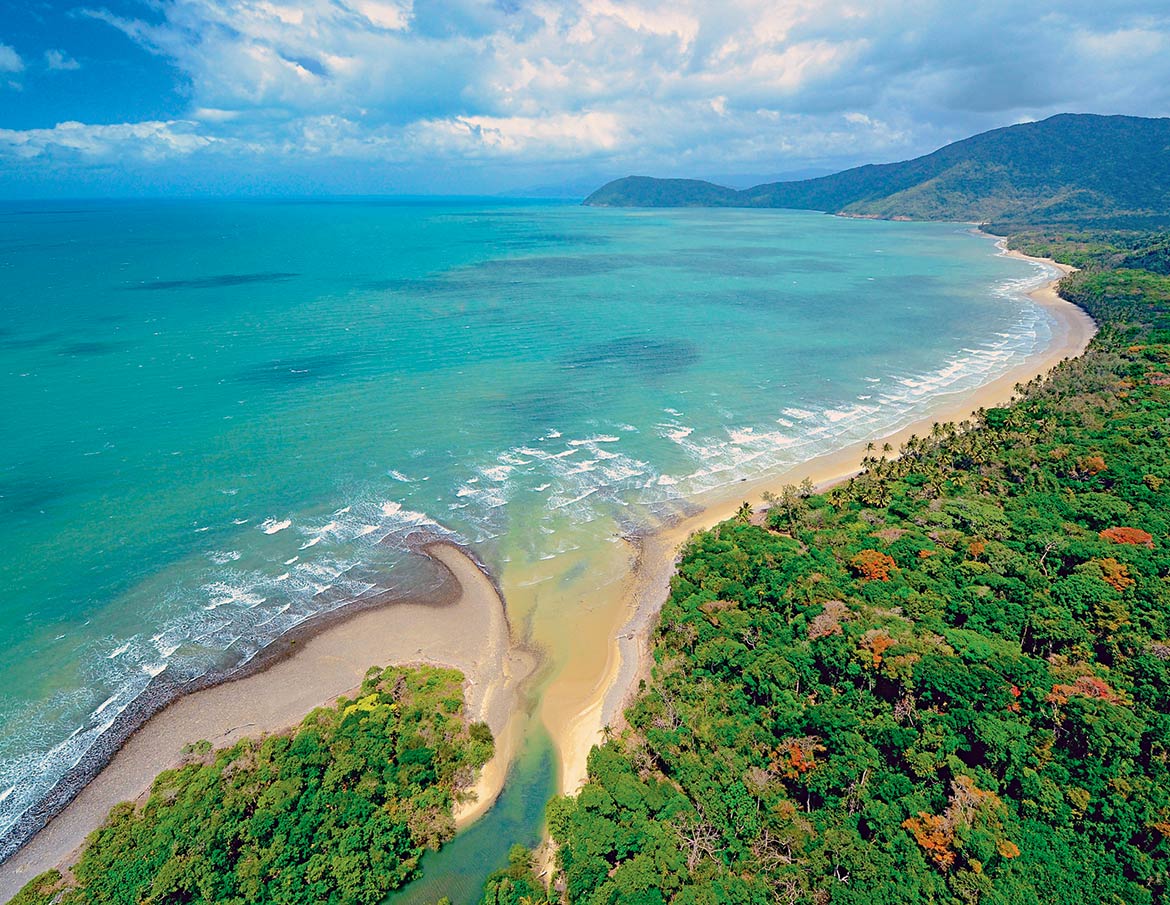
column 1124, row 535
column 873, row 565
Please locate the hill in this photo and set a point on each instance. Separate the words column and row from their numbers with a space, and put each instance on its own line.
column 1071, row 168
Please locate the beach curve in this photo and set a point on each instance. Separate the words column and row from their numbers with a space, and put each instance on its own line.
column 575, row 707
column 466, row 628
column 656, row 554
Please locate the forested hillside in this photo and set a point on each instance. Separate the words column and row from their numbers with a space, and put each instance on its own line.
column 1072, row 168
column 947, row 681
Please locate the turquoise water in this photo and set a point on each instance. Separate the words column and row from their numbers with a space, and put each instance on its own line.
column 221, row 417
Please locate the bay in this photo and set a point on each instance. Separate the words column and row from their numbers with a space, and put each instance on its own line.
column 222, row 417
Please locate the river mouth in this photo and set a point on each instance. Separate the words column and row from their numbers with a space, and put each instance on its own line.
column 459, row 869
column 236, row 452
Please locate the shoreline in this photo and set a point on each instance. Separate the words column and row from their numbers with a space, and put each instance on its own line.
column 496, row 671
column 648, row 585
column 463, row 624
column 164, row 690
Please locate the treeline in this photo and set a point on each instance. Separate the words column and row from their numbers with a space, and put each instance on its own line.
column 947, row 681
column 338, row 810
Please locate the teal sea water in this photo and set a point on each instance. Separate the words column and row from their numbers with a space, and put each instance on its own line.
column 220, row 418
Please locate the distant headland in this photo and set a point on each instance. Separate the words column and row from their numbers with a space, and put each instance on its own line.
column 1102, row 171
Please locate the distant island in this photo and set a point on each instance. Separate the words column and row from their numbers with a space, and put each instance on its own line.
column 1102, row 171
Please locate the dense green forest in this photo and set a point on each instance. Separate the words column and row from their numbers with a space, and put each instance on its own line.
column 1072, row 168
column 338, row 810
column 947, row 681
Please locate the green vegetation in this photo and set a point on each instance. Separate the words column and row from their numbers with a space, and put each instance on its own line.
column 338, row 810
column 517, row 884
column 1096, row 250
column 947, row 681
column 645, row 191
column 1104, row 170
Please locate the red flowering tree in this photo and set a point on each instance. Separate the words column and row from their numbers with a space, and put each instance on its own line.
column 873, row 565
column 1135, row 536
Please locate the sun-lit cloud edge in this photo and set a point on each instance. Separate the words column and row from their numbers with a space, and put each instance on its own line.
column 684, row 86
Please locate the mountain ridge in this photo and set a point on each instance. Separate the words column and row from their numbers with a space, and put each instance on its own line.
column 1069, row 168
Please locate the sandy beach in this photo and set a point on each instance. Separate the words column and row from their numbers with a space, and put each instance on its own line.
column 577, row 719
column 467, row 630
column 598, row 648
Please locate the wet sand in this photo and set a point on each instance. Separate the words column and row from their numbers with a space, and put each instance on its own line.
column 468, row 630
column 579, row 702
column 596, row 639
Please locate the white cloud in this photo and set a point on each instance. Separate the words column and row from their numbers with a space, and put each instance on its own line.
column 666, row 20
column 1123, row 44
column 678, row 86
column 10, row 60
column 394, row 16
column 60, row 61
column 214, row 115
column 542, row 137
column 149, row 141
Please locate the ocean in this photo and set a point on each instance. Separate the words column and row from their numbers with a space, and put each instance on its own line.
column 223, row 417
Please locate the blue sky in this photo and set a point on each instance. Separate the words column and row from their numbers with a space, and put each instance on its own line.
column 459, row 96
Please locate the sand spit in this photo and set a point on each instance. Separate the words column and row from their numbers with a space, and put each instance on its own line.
column 465, row 626
column 647, row 586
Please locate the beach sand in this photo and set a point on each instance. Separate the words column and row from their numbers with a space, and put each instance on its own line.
column 579, row 702
column 596, row 640
column 469, row 631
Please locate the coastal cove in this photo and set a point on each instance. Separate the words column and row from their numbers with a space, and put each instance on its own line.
column 648, row 581
column 588, row 608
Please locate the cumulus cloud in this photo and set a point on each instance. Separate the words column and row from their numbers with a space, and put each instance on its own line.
column 541, row 137
column 10, row 60
column 669, row 86
column 60, row 61
column 148, row 141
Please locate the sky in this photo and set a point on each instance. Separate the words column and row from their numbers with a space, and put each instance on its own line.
column 278, row 97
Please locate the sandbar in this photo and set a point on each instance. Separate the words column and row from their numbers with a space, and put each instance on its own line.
column 468, row 630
